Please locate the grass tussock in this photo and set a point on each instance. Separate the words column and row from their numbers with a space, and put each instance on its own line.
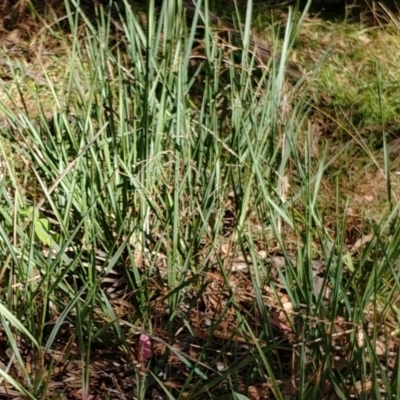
column 179, row 221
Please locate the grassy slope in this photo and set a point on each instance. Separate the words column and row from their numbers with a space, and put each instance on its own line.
column 215, row 218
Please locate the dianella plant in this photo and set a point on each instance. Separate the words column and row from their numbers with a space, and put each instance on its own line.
column 161, row 218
